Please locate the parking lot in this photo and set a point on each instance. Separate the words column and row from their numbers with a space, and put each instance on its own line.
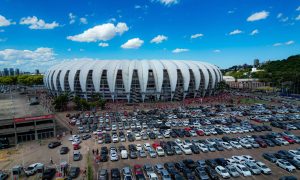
column 203, row 125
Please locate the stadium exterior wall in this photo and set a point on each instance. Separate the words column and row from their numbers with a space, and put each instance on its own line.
column 134, row 80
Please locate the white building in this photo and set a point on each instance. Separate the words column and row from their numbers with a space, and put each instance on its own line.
column 134, row 80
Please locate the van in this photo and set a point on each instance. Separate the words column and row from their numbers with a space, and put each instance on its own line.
column 124, row 154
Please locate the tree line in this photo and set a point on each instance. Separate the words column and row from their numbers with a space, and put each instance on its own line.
column 25, row 79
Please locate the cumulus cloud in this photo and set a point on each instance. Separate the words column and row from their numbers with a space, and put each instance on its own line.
column 103, row 44
column 35, row 23
column 258, row 16
column 279, row 15
column 180, row 50
column 103, row 32
column 159, row 39
column 230, row 12
column 217, row 51
column 134, row 43
column 5, row 22
column 83, row 20
column 255, row 31
column 290, row 42
column 194, row 36
column 72, row 18
column 167, row 2
column 236, row 31
column 298, row 9
column 298, row 17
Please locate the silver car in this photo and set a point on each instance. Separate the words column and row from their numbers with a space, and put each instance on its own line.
column 253, row 167
column 232, row 171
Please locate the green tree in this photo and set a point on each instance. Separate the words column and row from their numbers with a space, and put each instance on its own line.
column 61, row 101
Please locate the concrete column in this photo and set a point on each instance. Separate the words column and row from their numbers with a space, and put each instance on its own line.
column 54, row 127
column 35, row 131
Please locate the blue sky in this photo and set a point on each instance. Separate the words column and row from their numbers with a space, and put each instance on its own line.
column 38, row 34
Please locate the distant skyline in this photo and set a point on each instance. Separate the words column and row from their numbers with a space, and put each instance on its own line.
column 38, row 34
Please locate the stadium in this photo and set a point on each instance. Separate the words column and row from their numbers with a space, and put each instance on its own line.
column 134, row 80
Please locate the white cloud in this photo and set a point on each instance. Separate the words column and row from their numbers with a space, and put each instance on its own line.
column 81, row 50
column 279, row 15
column 298, row 17
column 5, row 22
column 103, row 44
column 2, row 30
column 134, row 43
column 196, row 36
column 103, row 32
column 230, row 12
column 217, row 51
column 40, row 54
column 258, row 16
column 83, row 20
column 180, row 50
column 290, row 42
column 277, row 44
column 69, row 49
column 72, row 18
column 236, row 31
column 137, row 6
column 159, row 39
column 35, row 23
column 298, row 9
column 284, row 19
column 167, row 2
column 255, row 31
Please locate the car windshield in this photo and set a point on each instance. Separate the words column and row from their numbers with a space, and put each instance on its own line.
column 244, row 169
column 30, row 168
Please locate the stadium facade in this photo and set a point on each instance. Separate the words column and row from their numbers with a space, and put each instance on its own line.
column 134, row 80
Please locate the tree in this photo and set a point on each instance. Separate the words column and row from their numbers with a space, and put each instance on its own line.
column 61, row 101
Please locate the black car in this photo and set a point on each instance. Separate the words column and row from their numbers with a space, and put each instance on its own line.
column 169, row 151
column 218, row 147
column 211, row 162
column 86, row 136
column 188, row 174
column 55, row 144
column 195, row 149
column 115, row 174
column 276, row 142
column 103, row 157
column 169, row 165
column 133, row 154
column 221, row 162
column 189, row 163
column 269, row 142
column 140, row 177
column 270, row 157
column 285, row 153
column 49, row 173
column 152, row 135
column 74, row 172
column 212, row 173
column 103, row 174
column 180, row 165
column 64, row 150
column 294, row 163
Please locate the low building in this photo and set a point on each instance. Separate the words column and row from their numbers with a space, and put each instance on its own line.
column 248, row 83
column 18, row 130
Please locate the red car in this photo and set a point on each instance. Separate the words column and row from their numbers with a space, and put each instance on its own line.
column 288, row 139
column 200, row 132
column 155, row 145
column 261, row 143
column 137, row 169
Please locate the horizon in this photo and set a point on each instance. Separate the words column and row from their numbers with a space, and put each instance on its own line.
column 35, row 36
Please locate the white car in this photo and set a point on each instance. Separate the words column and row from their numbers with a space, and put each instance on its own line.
column 147, row 146
column 137, row 136
column 178, row 142
column 222, row 172
column 238, row 159
column 282, row 141
column 242, row 170
column 235, row 144
column 115, row 138
column 76, row 141
column 31, row 169
column 71, row 138
column 226, row 145
column 139, row 147
column 152, row 176
column 160, row 151
column 248, row 158
column 264, row 169
column 245, row 144
column 203, row 147
column 186, row 149
column 210, row 141
column 193, row 133
column 114, row 156
column 295, row 153
column 226, row 130
column 285, row 165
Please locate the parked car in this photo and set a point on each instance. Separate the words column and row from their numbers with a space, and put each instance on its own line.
column 222, row 172
column 74, row 172
column 55, row 144
column 48, row 174
column 285, row 165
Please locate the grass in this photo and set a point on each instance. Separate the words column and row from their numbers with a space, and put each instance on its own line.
column 252, row 101
column 90, row 173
